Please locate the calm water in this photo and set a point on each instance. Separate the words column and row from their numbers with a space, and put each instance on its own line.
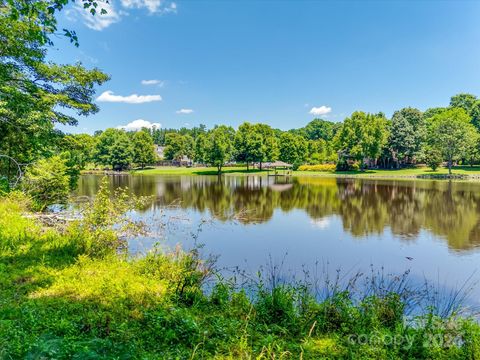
column 349, row 224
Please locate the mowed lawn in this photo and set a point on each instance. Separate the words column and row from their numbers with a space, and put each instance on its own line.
column 173, row 170
column 410, row 172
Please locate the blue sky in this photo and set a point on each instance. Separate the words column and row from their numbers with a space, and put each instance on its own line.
column 273, row 61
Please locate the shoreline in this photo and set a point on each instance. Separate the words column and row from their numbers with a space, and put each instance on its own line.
column 402, row 174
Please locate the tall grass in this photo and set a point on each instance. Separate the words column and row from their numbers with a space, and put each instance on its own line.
column 71, row 294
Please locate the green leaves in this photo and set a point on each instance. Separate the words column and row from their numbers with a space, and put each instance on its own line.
column 216, row 147
column 293, row 148
column 143, row 149
column 47, row 182
column 178, row 146
column 452, row 134
column 255, row 143
column 362, row 136
column 36, row 94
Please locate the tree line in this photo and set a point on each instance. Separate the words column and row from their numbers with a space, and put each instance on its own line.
column 363, row 140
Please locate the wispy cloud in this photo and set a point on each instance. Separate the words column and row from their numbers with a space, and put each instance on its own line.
column 160, row 83
column 99, row 21
column 139, row 124
column 113, row 15
column 153, row 6
column 184, row 111
column 320, row 111
column 109, row 96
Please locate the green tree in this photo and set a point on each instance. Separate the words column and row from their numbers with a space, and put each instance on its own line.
column 249, row 145
column 200, row 151
column 452, row 134
column 177, row 146
column 219, row 146
column 475, row 114
column 431, row 112
column 464, row 101
column 320, row 129
column 36, row 94
column 320, row 151
column 269, row 150
column 143, row 149
column 104, row 143
column 407, row 133
column 293, row 148
column 362, row 136
column 121, row 152
column 77, row 151
column 47, row 182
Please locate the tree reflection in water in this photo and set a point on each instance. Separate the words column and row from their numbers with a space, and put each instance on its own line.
column 446, row 209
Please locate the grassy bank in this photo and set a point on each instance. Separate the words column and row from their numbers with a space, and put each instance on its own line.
column 420, row 172
column 67, row 294
column 167, row 170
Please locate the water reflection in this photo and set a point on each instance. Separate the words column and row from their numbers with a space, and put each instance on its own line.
column 448, row 210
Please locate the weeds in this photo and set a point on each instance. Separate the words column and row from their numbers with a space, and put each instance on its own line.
column 71, row 294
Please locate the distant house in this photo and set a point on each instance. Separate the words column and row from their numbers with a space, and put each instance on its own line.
column 160, row 150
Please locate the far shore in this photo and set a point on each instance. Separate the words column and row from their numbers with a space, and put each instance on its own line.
column 458, row 172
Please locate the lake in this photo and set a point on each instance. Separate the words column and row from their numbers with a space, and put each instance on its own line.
column 429, row 227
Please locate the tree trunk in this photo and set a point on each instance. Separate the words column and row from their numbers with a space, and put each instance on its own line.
column 260, row 167
column 219, row 169
column 449, row 166
column 247, row 166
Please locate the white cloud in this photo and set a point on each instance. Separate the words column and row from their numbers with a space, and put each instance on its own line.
column 153, row 6
column 113, row 15
column 99, row 21
column 108, row 96
column 160, row 83
column 139, row 124
column 184, row 111
column 319, row 111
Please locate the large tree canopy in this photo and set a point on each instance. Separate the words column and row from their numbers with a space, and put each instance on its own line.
column 452, row 134
column 362, row 136
column 407, row 133
column 36, row 94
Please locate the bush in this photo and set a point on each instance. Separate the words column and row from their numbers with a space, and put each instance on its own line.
column 344, row 165
column 47, row 183
column 354, row 167
column 105, row 223
column 320, row 167
column 433, row 158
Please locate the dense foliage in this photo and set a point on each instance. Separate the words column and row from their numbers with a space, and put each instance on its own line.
column 36, row 94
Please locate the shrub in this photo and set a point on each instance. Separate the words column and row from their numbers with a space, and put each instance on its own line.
column 433, row 158
column 320, row 167
column 354, row 167
column 344, row 165
column 47, row 183
column 106, row 223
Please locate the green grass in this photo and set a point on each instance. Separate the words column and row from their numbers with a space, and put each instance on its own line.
column 60, row 301
column 418, row 172
column 167, row 170
column 406, row 172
